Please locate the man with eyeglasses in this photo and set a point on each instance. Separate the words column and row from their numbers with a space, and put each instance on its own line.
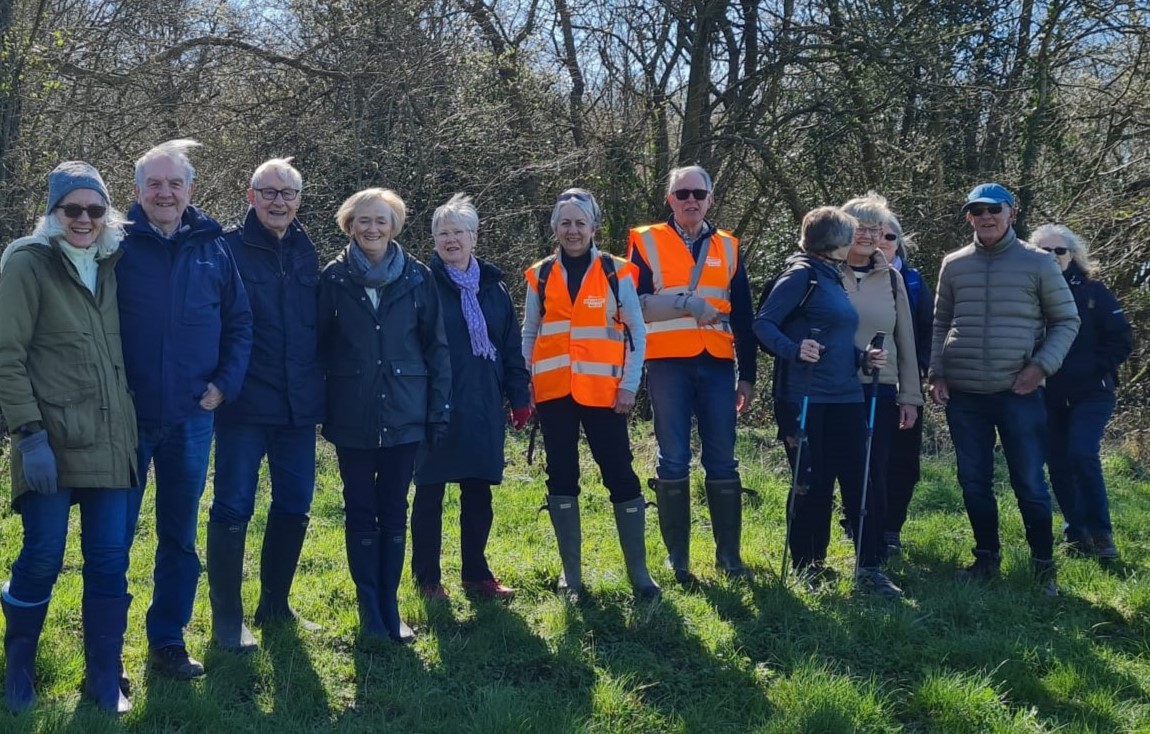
column 697, row 306
column 1004, row 319
column 274, row 415
column 187, row 334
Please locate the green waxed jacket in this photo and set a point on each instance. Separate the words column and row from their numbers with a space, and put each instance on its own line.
column 61, row 364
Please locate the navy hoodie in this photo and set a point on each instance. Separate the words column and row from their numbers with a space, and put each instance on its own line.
column 184, row 317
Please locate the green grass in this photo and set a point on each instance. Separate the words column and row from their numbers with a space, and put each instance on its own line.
column 727, row 657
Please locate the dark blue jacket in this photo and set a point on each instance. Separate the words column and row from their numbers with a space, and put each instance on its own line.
column 284, row 384
column 1104, row 341
column 921, row 312
column 184, row 315
column 388, row 369
column 473, row 448
column 780, row 325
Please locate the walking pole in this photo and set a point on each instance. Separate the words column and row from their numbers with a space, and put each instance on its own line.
column 802, row 439
column 876, row 343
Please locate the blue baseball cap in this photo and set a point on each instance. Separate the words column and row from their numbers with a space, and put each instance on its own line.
column 988, row 193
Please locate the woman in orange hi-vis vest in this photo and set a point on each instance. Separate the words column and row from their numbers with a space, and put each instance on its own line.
column 584, row 341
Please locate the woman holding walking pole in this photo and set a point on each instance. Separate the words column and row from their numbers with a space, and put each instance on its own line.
column 810, row 296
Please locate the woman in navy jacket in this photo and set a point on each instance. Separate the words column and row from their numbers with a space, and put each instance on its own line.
column 487, row 367
column 388, row 375
column 1080, row 396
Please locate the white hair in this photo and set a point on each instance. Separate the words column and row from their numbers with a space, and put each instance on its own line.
column 1079, row 250
column 281, row 167
column 458, row 209
column 107, row 242
column 678, row 174
column 584, row 200
column 176, row 150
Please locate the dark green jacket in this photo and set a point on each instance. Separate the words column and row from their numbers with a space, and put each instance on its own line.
column 61, row 364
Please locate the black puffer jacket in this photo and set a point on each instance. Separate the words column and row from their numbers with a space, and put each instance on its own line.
column 387, row 369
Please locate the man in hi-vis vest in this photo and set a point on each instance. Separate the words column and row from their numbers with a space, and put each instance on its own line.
column 697, row 305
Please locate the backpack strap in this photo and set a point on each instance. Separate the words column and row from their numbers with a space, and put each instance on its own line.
column 608, row 264
column 545, row 269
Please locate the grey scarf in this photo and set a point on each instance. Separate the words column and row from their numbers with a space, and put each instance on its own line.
column 363, row 273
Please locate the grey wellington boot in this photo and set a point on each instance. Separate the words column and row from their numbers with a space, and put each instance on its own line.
column 631, row 522
column 673, row 497
column 283, row 541
column 725, row 498
column 564, row 511
column 225, row 578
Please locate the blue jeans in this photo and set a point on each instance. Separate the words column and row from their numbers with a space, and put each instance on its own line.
column 291, row 463
column 704, row 387
column 180, row 454
column 103, row 519
column 1020, row 421
column 1076, row 429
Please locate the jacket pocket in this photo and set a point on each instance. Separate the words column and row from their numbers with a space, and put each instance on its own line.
column 307, row 285
column 202, row 296
column 72, row 417
column 409, row 396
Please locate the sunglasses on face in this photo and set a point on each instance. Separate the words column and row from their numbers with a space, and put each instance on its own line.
column 573, row 195
column 73, row 211
column 684, row 194
column 890, row 237
column 271, row 194
column 978, row 211
column 1057, row 250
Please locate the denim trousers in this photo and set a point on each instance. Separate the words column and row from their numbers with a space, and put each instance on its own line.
column 179, row 455
column 1076, row 429
column 103, row 541
column 375, row 486
column 240, row 448
column 1020, row 423
column 606, row 433
column 702, row 387
column 475, row 518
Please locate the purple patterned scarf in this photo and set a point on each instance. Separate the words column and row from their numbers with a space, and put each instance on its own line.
column 468, row 283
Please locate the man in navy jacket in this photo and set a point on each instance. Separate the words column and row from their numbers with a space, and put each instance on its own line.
column 187, row 333
column 275, row 414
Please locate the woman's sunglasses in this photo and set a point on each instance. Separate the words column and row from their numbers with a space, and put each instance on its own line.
column 684, row 194
column 73, row 211
column 978, row 211
column 1057, row 250
column 572, row 195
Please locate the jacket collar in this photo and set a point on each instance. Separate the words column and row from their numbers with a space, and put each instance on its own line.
column 707, row 231
column 194, row 222
column 1004, row 244
column 488, row 273
column 258, row 235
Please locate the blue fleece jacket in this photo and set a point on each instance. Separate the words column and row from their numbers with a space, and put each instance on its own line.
column 184, row 317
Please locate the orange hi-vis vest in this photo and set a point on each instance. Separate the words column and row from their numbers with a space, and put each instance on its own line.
column 671, row 263
column 580, row 348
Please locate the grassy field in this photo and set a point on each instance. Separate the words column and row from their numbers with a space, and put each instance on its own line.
column 727, row 657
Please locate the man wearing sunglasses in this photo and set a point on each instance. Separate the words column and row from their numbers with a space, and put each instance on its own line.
column 274, row 415
column 697, row 305
column 1004, row 320
column 187, row 335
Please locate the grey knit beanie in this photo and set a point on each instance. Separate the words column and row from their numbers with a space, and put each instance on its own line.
column 72, row 175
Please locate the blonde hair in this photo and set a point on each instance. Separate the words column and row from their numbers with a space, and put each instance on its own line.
column 1079, row 250
column 395, row 206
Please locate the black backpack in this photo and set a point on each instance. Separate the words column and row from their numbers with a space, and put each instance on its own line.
column 608, row 264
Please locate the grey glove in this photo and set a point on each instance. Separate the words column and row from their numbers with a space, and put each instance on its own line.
column 39, row 463
column 700, row 308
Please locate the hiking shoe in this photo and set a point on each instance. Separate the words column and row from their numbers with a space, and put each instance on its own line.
column 848, row 530
column 816, row 574
column 987, row 566
column 434, row 592
column 893, row 543
column 1104, row 548
column 1046, row 575
column 489, row 589
column 1077, row 545
column 874, row 581
column 173, row 661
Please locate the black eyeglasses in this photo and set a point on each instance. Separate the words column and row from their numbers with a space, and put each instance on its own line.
column 73, row 211
column 1057, row 250
column 271, row 194
column 890, row 237
column 684, row 194
column 568, row 196
column 978, row 211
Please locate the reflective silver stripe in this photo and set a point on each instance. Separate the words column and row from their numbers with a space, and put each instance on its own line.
column 550, row 328
column 707, row 291
column 600, row 369
column 730, row 251
column 597, row 332
column 551, row 364
column 652, row 253
column 686, row 323
column 721, row 326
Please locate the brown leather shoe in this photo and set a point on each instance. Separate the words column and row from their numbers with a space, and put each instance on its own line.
column 434, row 592
column 489, row 589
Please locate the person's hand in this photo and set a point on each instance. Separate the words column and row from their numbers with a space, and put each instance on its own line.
column 874, row 359
column 39, row 463
column 939, row 391
column 809, row 350
column 624, row 401
column 436, row 432
column 520, row 417
column 703, row 311
column 212, row 398
column 1028, row 380
column 907, row 415
column 744, row 394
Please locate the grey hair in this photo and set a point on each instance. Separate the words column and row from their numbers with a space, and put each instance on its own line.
column 282, row 167
column 581, row 198
column 826, row 229
column 678, row 174
column 871, row 209
column 176, row 150
column 458, row 209
column 1079, row 250
column 107, row 242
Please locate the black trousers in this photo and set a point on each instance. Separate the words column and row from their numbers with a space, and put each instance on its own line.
column 904, row 469
column 475, row 518
column 607, row 436
column 375, row 484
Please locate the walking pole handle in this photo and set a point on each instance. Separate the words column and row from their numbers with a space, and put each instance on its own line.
column 877, row 343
